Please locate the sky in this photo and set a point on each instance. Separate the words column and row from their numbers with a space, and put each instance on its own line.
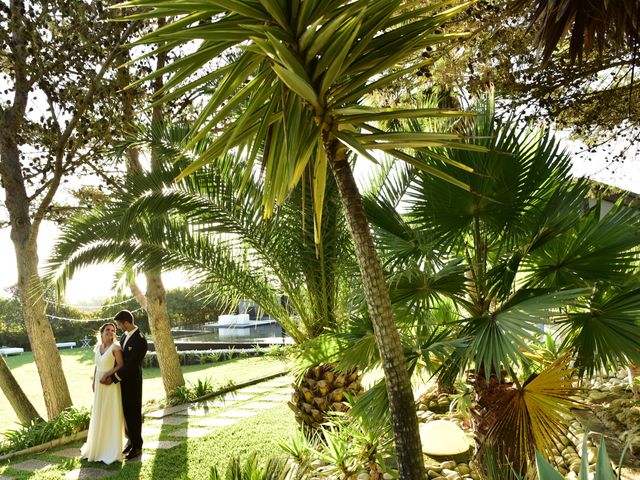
column 89, row 287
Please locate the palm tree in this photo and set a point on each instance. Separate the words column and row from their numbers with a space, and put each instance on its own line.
column 294, row 90
column 521, row 251
column 95, row 238
column 236, row 253
column 231, row 249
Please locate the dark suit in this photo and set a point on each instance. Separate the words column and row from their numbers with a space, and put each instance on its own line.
column 130, row 379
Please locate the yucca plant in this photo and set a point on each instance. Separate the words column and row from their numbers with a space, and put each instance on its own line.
column 251, row 469
column 294, row 95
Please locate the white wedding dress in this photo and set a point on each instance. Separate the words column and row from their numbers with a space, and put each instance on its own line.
column 106, row 429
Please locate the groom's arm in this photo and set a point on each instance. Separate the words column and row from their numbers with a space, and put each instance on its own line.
column 134, row 359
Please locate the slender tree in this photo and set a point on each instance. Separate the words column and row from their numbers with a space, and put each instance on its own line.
column 154, row 300
column 49, row 56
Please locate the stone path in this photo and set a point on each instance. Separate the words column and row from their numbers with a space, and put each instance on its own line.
column 179, row 423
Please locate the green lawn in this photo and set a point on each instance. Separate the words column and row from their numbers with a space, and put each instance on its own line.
column 192, row 459
column 78, row 366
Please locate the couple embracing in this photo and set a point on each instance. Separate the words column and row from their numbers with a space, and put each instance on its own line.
column 117, row 387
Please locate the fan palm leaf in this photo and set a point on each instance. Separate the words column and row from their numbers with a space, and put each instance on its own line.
column 532, row 253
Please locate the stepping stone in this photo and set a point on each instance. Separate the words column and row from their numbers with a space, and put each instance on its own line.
column 443, row 438
column 284, row 389
column 190, row 432
column 166, row 411
column 31, row 465
column 237, row 413
column 195, row 412
column 218, row 422
column 276, row 398
column 156, row 444
column 256, row 389
column 150, row 431
column 278, row 382
column 258, row 405
column 86, row 472
column 240, row 397
column 219, row 403
column 142, row 458
column 170, row 420
column 67, row 452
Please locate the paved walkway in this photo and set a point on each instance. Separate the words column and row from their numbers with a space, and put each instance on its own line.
column 178, row 423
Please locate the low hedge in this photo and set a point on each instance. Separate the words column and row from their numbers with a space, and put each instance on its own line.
column 201, row 357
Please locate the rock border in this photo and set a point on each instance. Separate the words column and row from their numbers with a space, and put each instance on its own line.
column 46, row 446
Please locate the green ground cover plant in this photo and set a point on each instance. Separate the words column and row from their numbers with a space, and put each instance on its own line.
column 78, row 366
column 68, row 422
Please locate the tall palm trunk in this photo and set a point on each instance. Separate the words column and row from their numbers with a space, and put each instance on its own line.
column 401, row 403
column 168, row 359
column 154, row 301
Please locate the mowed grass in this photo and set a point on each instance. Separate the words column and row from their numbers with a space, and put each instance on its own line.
column 78, row 365
column 191, row 459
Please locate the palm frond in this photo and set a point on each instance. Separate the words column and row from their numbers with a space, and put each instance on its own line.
column 535, row 416
column 298, row 73
column 603, row 330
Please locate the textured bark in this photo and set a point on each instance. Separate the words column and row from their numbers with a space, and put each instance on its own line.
column 138, row 294
column 634, row 371
column 41, row 338
column 20, row 403
column 401, row 403
column 168, row 359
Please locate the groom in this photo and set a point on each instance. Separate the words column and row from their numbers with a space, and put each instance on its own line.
column 134, row 348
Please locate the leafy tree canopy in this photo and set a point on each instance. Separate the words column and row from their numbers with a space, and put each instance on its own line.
column 596, row 99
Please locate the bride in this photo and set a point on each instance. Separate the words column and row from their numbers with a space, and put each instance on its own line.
column 106, row 428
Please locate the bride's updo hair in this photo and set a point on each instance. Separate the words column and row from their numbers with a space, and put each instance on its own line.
column 101, row 330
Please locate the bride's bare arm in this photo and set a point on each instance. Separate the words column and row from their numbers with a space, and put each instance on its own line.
column 117, row 352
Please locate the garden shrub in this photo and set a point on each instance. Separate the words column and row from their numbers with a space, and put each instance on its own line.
column 68, row 422
column 202, row 357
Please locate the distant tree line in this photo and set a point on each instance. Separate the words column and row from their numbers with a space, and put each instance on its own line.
column 69, row 323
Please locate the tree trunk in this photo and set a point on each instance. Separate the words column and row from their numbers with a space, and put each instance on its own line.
column 24, row 236
column 168, row 359
column 634, row 371
column 401, row 403
column 20, row 403
column 137, row 293
column 161, row 329
column 41, row 338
